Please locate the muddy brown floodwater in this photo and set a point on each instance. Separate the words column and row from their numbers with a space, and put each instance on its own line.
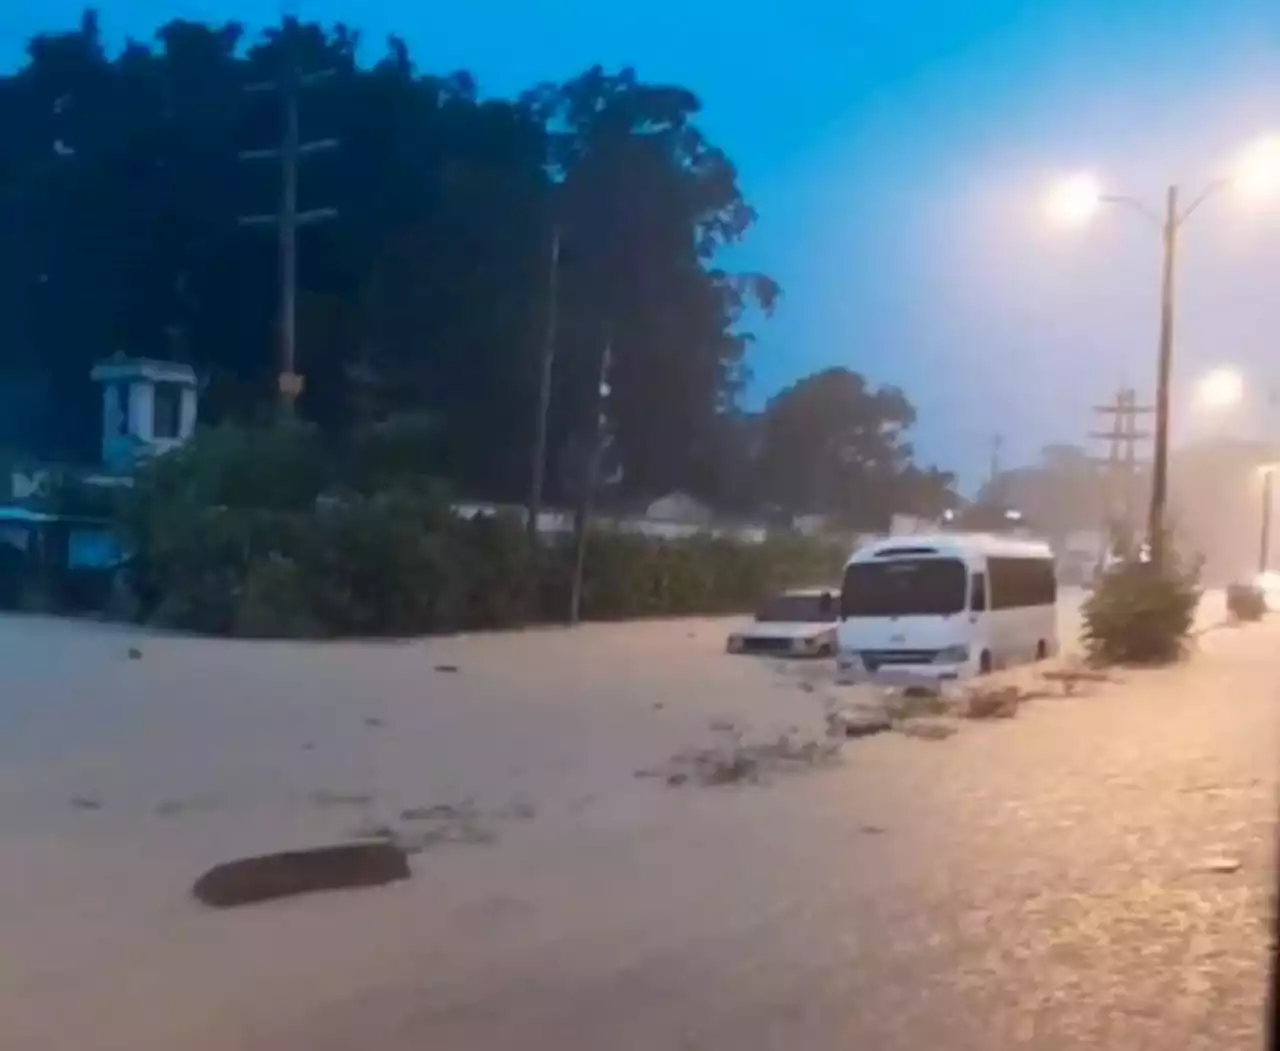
column 1093, row 873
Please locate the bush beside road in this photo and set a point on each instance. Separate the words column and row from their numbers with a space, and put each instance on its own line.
column 267, row 533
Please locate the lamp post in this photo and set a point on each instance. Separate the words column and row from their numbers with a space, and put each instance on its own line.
column 1076, row 199
column 1223, row 389
column 1264, row 541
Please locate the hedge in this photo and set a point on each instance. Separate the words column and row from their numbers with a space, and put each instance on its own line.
column 277, row 532
column 391, row 566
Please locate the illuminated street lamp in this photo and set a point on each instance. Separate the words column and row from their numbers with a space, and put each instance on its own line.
column 1256, row 175
column 1221, row 389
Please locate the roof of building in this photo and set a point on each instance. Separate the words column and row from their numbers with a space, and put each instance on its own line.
column 121, row 366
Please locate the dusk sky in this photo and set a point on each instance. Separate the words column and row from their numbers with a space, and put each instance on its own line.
column 898, row 155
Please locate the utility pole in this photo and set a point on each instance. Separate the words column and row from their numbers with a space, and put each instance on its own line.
column 1264, row 545
column 993, row 475
column 1120, row 465
column 582, row 513
column 1160, row 459
column 287, row 220
column 538, row 467
column 1268, row 479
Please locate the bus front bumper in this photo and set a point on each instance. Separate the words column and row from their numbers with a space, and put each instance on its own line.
column 852, row 668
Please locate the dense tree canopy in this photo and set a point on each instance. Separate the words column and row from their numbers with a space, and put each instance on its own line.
column 832, row 443
column 121, row 189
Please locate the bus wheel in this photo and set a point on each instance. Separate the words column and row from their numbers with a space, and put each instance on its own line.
column 984, row 663
column 1042, row 650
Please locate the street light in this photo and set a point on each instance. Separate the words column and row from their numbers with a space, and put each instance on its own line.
column 1222, row 388
column 1258, row 169
column 1074, row 200
column 1256, row 174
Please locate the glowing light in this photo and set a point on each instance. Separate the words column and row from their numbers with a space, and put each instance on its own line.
column 1220, row 389
column 1074, row 200
column 1257, row 172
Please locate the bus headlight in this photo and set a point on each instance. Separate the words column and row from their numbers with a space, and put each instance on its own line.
column 952, row 655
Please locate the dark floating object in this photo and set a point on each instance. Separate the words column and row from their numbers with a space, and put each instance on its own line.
column 135, row 654
column 373, row 720
column 447, row 667
column 86, row 803
column 272, row 876
column 1246, row 601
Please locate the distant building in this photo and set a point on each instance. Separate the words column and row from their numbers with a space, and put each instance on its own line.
column 148, row 407
column 679, row 509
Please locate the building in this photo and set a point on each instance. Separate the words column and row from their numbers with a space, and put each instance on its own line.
column 148, row 408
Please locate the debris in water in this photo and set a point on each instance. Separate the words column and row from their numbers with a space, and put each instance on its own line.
column 927, row 729
column 1220, row 866
column 272, row 876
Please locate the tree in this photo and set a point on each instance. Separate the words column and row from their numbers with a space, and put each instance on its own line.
column 645, row 203
column 833, row 444
column 120, row 188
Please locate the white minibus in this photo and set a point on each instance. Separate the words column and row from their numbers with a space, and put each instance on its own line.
column 948, row 606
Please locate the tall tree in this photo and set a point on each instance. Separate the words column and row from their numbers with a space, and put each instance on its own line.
column 833, row 444
column 120, row 189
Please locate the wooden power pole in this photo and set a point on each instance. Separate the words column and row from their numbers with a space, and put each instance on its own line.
column 1120, row 466
column 538, row 469
column 287, row 219
column 993, row 470
column 590, row 479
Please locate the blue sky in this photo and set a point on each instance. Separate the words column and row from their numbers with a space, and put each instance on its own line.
column 898, row 156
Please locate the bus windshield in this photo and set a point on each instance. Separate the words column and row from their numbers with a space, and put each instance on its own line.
column 904, row 587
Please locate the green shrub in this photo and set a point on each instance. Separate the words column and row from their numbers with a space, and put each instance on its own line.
column 237, row 534
column 274, row 602
column 1141, row 615
column 377, row 566
column 392, row 566
column 394, row 453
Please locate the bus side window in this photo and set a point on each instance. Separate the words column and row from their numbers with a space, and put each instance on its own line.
column 978, row 593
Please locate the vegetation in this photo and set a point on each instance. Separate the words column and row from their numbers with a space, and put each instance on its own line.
column 271, row 533
column 428, row 299
column 1141, row 615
